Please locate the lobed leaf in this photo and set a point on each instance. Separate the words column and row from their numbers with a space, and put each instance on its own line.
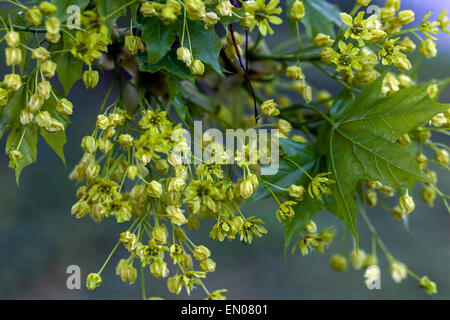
column 362, row 141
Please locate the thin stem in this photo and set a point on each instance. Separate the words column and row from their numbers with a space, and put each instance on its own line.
column 299, row 166
column 247, row 77
column 273, row 194
column 144, row 296
column 299, row 37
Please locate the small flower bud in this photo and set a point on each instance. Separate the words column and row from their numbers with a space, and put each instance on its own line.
column 132, row 172
column 176, row 215
column 93, row 281
column 89, row 144
column 13, row 56
column 175, row 284
column 373, row 185
column 428, row 285
column 310, row 227
column 306, row 92
column 35, row 103
column 405, row 81
column 365, row 76
column 147, row 9
column 208, row 265
column 428, row 195
column 47, row 8
column 183, row 54
column 404, row 140
column 55, row 126
column 159, row 233
column 363, row 2
column 105, row 145
column 25, row 117
column 398, row 271
column 403, row 64
column 295, row 73
column 13, row 81
column 211, row 18
column 371, row 275
column 327, row 55
column 246, row 188
column 439, row 121
column 406, row 202
column 428, row 48
column 394, row 4
column 12, row 39
column 433, row 91
column 125, row 140
column 322, row 40
column 377, row 35
column 43, row 89
column 432, row 175
column 14, row 158
column 90, row 78
column 398, row 213
column 386, row 13
column 297, row 10
column 224, row 8
column 174, row 160
column 284, row 126
column 371, row 198
column 40, row 54
column 387, row 191
column 64, row 106
column 52, row 25
column 357, row 258
column 80, row 209
column 48, row 68
column 338, row 262
column 422, row 161
column 421, row 134
column 133, row 43
column 269, row 108
column 296, row 192
column 102, row 122
column 34, row 16
column 407, row 44
column 159, row 269
column 370, row 260
column 405, row 17
column 197, row 67
column 92, row 170
column 201, row 253
column 176, row 184
column 285, row 211
column 162, row 166
column 53, row 37
column 441, row 158
column 154, row 189
column 299, row 139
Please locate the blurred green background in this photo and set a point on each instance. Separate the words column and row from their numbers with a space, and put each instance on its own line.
column 39, row 238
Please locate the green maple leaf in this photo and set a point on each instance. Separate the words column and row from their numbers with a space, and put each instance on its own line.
column 361, row 142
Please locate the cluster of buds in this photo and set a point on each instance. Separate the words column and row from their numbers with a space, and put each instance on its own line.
column 196, row 10
column 196, row 66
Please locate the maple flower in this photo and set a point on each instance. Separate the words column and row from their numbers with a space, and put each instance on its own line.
column 359, row 28
column 257, row 13
column 347, row 59
column 390, row 53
